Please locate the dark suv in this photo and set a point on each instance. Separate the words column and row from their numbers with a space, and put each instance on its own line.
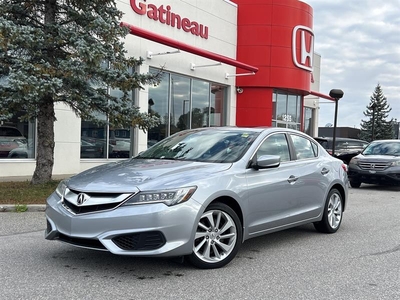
column 379, row 163
column 345, row 148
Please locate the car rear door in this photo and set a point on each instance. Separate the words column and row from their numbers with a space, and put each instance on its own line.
column 315, row 173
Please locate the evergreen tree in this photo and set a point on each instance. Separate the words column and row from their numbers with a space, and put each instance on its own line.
column 377, row 128
column 71, row 52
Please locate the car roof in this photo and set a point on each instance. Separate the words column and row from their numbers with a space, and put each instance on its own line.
column 10, row 131
column 260, row 129
column 387, row 141
column 329, row 138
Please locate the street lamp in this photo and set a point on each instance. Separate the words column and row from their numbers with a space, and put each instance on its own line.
column 373, row 107
column 335, row 94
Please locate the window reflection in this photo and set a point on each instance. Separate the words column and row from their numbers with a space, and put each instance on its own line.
column 100, row 139
column 200, row 104
column 217, row 101
column 17, row 138
column 120, row 143
column 94, row 138
column 119, row 138
column 182, row 102
column 308, row 121
column 158, row 106
column 180, row 95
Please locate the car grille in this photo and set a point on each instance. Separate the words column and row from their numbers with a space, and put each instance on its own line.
column 96, row 202
column 88, row 209
column 140, row 241
column 376, row 166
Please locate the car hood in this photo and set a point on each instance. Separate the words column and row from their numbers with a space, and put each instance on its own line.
column 143, row 174
column 377, row 158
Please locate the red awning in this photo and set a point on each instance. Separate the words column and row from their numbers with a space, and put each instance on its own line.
column 188, row 48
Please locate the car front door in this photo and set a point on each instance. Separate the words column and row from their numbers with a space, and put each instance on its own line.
column 271, row 202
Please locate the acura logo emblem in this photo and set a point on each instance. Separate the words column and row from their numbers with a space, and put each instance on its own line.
column 82, row 198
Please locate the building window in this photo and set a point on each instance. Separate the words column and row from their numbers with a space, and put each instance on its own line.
column 182, row 103
column 286, row 110
column 17, row 138
column 94, row 138
column 102, row 140
column 308, row 121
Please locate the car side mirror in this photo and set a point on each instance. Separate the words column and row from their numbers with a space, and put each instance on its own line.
column 266, row 162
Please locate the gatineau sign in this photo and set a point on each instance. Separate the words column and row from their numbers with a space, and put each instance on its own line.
column 164, row 15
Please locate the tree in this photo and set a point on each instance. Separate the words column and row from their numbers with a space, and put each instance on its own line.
column 377, row 128
column 71, row 52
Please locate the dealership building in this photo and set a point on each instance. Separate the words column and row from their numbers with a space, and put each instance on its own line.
column 239, row 62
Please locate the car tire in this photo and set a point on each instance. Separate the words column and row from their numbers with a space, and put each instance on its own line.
column 355, row 184
column 217, row 238
column 333, row 213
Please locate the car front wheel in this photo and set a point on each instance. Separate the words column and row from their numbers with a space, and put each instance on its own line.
column 218, row 237
column 333, row 213
column 355, row 184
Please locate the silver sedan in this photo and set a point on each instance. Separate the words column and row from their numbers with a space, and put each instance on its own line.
column 200, row 194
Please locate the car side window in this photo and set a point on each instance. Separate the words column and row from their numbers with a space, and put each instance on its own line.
column 304, row 147
column 275, row 144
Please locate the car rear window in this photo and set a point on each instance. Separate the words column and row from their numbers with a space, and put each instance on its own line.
column 5, row 131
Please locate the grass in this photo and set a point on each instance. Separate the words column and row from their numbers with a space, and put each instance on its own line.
column 22, row 193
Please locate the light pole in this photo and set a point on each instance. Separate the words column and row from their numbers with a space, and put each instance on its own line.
column 335, row 94
column 396, row 129
column 373, row 107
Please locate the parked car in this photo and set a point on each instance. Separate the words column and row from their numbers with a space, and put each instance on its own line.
column 379, row 163
column 201, row 193
column 90, row 150
column 10, row 138
column 345, row 148
column 121, row 149
column 6, row 146
column 25, row 149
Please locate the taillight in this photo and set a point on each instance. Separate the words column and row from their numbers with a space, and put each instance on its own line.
column 345, row 167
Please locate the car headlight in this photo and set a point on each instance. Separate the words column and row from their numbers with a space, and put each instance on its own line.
column 61, row 188
column 353, row 161
column 395, row 163
column 168, row 197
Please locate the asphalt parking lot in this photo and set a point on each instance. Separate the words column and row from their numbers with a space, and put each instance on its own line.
column 360, row 261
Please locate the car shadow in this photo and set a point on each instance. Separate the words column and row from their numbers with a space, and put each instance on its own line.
column 379, row 187
column 99, row 264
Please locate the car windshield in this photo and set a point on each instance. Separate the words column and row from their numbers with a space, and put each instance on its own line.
column 221, row 145
column 383, row 148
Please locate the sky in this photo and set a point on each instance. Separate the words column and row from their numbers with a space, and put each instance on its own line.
column 359, row 44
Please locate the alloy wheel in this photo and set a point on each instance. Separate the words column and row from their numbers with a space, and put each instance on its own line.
column 215, row 237
column 335, row 210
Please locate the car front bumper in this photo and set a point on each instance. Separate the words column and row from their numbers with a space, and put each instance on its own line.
column 388, row 176
column 137, row 230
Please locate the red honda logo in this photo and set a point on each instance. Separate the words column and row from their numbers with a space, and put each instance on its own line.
column 303, row 47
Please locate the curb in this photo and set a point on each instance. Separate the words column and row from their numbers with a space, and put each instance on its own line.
column 29, row 207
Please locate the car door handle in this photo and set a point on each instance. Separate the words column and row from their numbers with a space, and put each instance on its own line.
column 324, row 171
column 292, row 179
